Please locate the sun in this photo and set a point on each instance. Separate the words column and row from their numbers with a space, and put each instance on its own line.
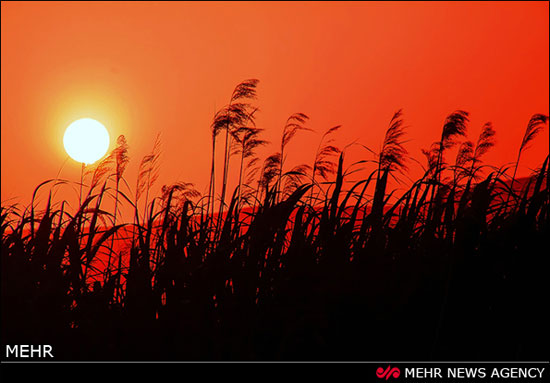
column 86, row 140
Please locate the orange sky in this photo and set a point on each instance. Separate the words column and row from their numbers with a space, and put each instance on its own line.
column 143, row 68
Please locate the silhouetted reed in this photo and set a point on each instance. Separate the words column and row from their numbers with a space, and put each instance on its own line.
column 448, row 269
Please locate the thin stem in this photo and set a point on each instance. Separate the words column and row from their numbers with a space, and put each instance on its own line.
column 81, row 180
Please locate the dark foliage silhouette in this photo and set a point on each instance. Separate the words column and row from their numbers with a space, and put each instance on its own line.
column 300, row 264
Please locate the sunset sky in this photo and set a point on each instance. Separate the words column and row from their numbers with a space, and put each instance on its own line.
column 146, row 68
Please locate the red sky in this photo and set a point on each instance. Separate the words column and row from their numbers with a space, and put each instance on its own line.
column 143, row 68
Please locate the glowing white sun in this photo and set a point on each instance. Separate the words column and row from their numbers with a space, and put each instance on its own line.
column 86, row 140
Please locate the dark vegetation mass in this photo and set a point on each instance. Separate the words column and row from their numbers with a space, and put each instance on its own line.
column 297, row 264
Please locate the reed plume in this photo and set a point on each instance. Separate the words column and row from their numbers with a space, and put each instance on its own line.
column 148, row 173
column 323, row 165
column 293, row 125
column 391, row 158
column 534, row 127
column 484, row 143
column 247, row 140
column 239, row 112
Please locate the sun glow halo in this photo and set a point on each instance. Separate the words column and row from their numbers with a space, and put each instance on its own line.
column 86, row 140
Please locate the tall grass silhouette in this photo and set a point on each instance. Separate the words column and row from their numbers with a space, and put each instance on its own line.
column 300, row 264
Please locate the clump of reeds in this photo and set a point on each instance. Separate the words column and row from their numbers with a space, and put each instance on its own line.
column 277, row 272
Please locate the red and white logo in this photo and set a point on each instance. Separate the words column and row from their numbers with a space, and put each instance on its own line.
column 390, row 371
